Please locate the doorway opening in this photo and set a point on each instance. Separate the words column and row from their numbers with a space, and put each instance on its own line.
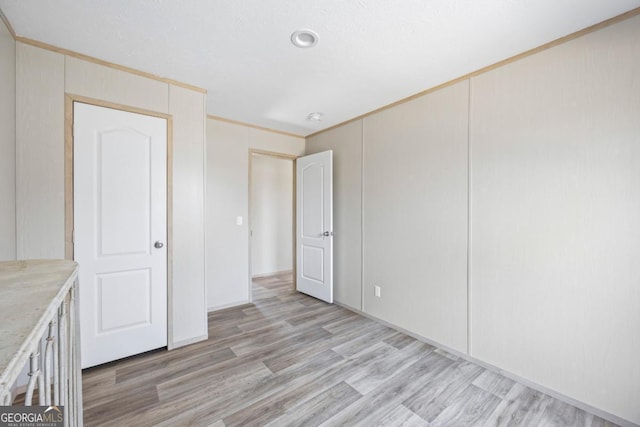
column 271, row 217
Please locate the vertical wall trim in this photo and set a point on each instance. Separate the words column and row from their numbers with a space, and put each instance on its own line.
column 250, row 225
column 247, row 214
column 171, row 344
column 204, row 213
column 68, row 178
column 362, row 214
column 469, row 207
column 170, row 339
column 15, row 143
column 294, row 219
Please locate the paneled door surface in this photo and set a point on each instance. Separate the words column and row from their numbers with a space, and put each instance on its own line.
column 314, row 225
column 120, row 231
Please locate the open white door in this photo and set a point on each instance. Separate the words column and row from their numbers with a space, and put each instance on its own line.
column 120, row 229
column 314, row 225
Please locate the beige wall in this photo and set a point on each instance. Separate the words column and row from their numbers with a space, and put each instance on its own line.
column 556, row 218
column 227, row 198
column 42, row 78
column 346, row 143
column 554, row 197
column 271, row 214
column 415, row 215
column 400, row 211
column 188, row 110
column 554, row 156
column 7, row 144
column 39, row 153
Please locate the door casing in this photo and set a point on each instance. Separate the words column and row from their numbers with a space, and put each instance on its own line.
column 68, row 187
column 293, row 158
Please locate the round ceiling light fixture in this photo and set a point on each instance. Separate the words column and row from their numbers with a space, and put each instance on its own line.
column 304, row 38
column 314, row 117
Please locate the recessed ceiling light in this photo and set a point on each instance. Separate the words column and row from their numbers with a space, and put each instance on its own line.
column 304, row 38
column 314, row 117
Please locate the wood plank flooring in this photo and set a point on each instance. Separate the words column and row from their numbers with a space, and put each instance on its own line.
column 291, row 360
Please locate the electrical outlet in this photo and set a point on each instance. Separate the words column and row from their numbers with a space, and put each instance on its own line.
column 376, row 291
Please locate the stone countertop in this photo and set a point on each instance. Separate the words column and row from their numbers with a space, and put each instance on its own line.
column 30, row 294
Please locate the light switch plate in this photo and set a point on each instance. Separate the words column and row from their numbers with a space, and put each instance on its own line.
column 239, row 220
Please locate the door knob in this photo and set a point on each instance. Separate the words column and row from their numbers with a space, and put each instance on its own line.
column 158, row 244
column 327, row 234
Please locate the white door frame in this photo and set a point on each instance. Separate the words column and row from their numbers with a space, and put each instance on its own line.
column 293, row 158
column 68, row 186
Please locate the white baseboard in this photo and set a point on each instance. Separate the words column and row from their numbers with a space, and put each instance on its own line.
column 542, row 389
column 229, row 305
column 275, row 273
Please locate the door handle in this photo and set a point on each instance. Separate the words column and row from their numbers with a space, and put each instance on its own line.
column 327, row 233
column 158, row 245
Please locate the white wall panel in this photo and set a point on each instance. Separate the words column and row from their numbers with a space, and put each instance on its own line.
column 227, row 198
column 189, row 320
column 415, row 215
column 7, row 145
column 99, row 82
column 39, row 153
column 555, row 218
column 41, row 82
column 346, row 143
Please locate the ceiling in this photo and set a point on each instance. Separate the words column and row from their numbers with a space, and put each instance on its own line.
column 370, row 52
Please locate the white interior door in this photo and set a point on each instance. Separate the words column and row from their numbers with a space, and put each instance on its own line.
column 314, row 225
column 120, row 229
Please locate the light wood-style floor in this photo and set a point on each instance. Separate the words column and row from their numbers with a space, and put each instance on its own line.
column 291, row 360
